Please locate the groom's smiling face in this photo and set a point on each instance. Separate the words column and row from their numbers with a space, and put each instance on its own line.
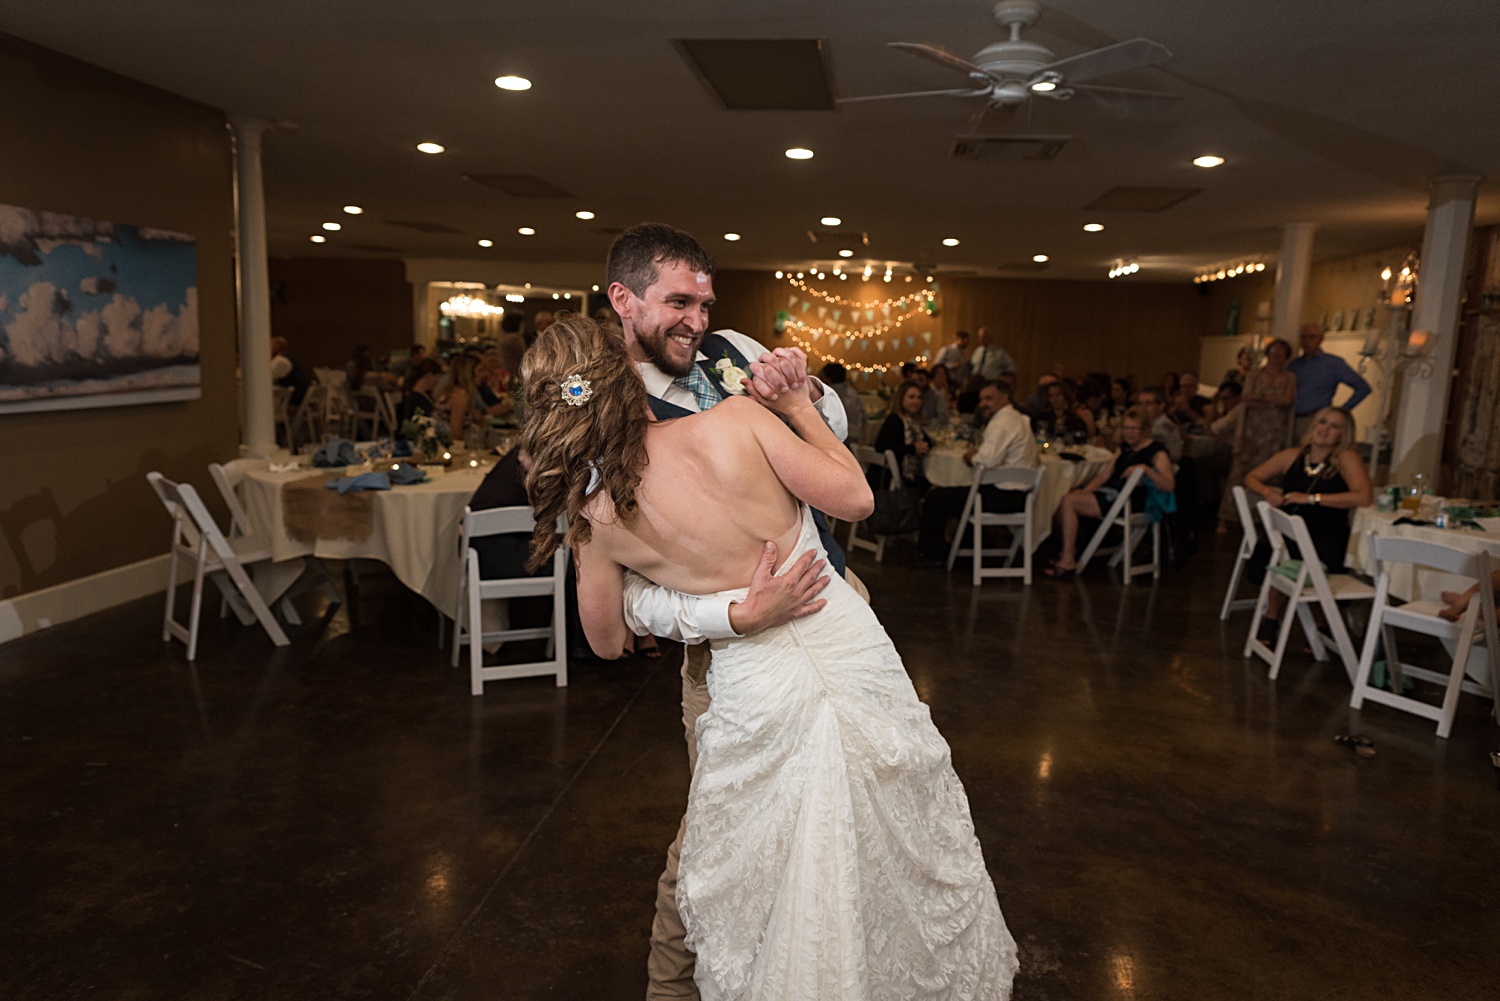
column 669, row 321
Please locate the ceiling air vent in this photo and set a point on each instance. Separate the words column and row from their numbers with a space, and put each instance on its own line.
column 420, row 226
column 1140, row 199
column 974, row 147
column 762, row 74
column 519, row 185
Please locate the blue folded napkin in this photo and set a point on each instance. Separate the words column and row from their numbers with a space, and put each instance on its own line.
column 406, row 474
column 335, row 452
column 364, row 481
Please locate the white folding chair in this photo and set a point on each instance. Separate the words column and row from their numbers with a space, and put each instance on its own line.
column 227, row 477
column 281, row 410
column 1422, row 617
column 1247, row 546
column 1133, row 526
column 307, row 422
column 196, row 537
column 889, row 468
column 474, row 590
column 390, row 403
column 1304, row 586
column 366, row 413
column 1019, row 523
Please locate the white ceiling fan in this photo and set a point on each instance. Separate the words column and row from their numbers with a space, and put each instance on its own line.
column 1010, row 72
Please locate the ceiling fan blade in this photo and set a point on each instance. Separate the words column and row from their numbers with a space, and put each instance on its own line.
column 1127, row 101
column 913, row 93
column 992, row 118
column 937, row 55
column 1117, row 58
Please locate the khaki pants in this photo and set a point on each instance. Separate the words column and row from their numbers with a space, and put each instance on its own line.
column 669, row 967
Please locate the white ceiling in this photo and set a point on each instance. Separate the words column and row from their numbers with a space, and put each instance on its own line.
column 1332, row 112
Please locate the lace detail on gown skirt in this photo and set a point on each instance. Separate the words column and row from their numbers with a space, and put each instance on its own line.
column 829, row 854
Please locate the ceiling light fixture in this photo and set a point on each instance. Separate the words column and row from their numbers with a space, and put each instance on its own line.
column 512, row 83
column 318, row 238
column 1044, row 86
column 1216, row 273
column 486, row 243
column 731, row 237
column 513, row 297
column 1123, row 268
column 1093, row 227
column 353, row 210
column 584, row 214
column 1040, row 258
column 846, row 253
column 595, row 288
column 821, row 276
column 429, row 148
column 950, row 242
column 798, row 153
column 780, row 275
column 1207, row 160
column 831, row 220
column 332, row 227
column 526, row 231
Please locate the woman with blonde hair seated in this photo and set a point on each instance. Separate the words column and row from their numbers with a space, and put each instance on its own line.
column 1321, row 480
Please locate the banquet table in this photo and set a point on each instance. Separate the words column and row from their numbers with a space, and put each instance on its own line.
column 412, row 529
column 1421, row 584
column 945, row 467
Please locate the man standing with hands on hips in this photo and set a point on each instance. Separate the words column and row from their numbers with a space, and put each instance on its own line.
column 1319, row 375
column 661, row 285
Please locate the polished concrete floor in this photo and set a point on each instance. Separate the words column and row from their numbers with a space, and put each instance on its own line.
column 342, row 820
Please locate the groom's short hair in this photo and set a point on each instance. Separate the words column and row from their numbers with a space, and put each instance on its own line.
column 635, row 256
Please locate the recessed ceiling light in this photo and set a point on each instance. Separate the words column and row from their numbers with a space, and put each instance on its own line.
column 798, row 153
column 950, row 242
column 1043, row 86
column 821, row 276
column 429, row 148
column 486, row 243
column 332, row 227
column 526, row 231
column 1093, row 227
column 584, row 214
column 318, row 238
column 353, row 210
column 596, row 288
column 1207, row 160
column 1039, row 258
column 846, row 253
column 731, row 237
column 512, row 83
column 830, row 220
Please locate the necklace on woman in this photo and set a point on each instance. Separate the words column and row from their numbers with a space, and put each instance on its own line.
column 1311, row 470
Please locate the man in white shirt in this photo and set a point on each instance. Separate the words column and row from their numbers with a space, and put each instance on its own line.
column 661, row 286
column 1153, row 400
column 989, row 361
column 1006, row 441
column 955, row 358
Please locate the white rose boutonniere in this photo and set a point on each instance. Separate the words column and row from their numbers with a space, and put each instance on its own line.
column 732, row 376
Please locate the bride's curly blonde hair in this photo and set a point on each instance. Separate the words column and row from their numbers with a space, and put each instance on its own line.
column 568, row 444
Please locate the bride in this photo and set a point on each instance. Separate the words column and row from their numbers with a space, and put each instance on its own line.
column 829, row 852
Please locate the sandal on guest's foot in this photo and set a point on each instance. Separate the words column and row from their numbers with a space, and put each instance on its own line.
column 1269, row 628
column 1054, row 572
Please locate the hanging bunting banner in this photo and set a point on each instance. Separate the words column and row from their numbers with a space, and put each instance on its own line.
column 806, row 306
column 836, row 313
column 927, row 337
column 887, row 311
column 911, row 342
column 869, row 314
column 880, row 344
column 864, row 345
column 822, row 311
column 791, row 301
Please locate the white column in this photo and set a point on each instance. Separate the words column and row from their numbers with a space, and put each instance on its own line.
column 1292, row 269
column 1423, row 412
column 257, row 423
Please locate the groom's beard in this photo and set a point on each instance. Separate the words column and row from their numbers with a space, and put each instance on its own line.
column 666, row 354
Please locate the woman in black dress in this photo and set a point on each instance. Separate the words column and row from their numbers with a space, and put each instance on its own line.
column 1093, row 499
column 1321, row 480
column 1062, row 419
column 902, row 434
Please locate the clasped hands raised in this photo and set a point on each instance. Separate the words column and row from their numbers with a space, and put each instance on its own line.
column 779, row 381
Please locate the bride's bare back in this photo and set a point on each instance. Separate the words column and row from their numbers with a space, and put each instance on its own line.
column 717, row 487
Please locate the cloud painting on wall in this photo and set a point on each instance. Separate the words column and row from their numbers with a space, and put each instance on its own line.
column 94, row 314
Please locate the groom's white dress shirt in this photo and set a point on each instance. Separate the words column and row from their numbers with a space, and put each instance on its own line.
column 650, row 608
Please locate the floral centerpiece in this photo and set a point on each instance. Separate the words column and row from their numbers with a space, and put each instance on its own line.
column 427, row 436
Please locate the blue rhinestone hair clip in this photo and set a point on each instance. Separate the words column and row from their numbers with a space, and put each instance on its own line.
column 576, row 390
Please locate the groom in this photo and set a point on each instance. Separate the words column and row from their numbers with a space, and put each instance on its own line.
column 661, row 285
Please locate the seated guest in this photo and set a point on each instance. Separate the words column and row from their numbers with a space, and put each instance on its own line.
column 1244, row 364
column 421, row 381
column 1170, row 384
column 1120, row 395
column 902, row 434
column 1226, row 402
column 1006, row 441
column 1153, row 402
column 836, row 376
column 1036, row 404
column 1137, row 450
column 934, row 401
column 359, row 365
column 968, row 397
column 458, row 398
column 286, row 372
column 1091, row 397
column 1322, row 480
column 939, row 382
column 1187, row 407
column 496, row 372
column 1456, row 603
column 1061, row 420
column 399, row 367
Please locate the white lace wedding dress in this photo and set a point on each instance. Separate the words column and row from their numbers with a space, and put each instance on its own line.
column 829, row 854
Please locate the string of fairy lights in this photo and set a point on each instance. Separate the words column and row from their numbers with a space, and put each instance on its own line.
column 920, row 295
column 878, row 368
column 822, row 338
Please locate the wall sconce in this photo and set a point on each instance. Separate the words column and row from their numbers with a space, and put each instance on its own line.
column 1417, row 343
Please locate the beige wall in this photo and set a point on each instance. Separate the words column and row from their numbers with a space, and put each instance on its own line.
column 74, row 500
column 325, row 306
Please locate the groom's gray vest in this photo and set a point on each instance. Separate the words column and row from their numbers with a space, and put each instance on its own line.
column 713, row 348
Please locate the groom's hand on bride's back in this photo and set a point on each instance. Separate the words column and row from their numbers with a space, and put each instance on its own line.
column 775, row 601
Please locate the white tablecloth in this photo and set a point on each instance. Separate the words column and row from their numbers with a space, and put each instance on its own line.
column 415, row 530
column 945, row 467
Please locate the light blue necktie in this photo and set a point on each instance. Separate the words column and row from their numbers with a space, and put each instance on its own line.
column 700, row 386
